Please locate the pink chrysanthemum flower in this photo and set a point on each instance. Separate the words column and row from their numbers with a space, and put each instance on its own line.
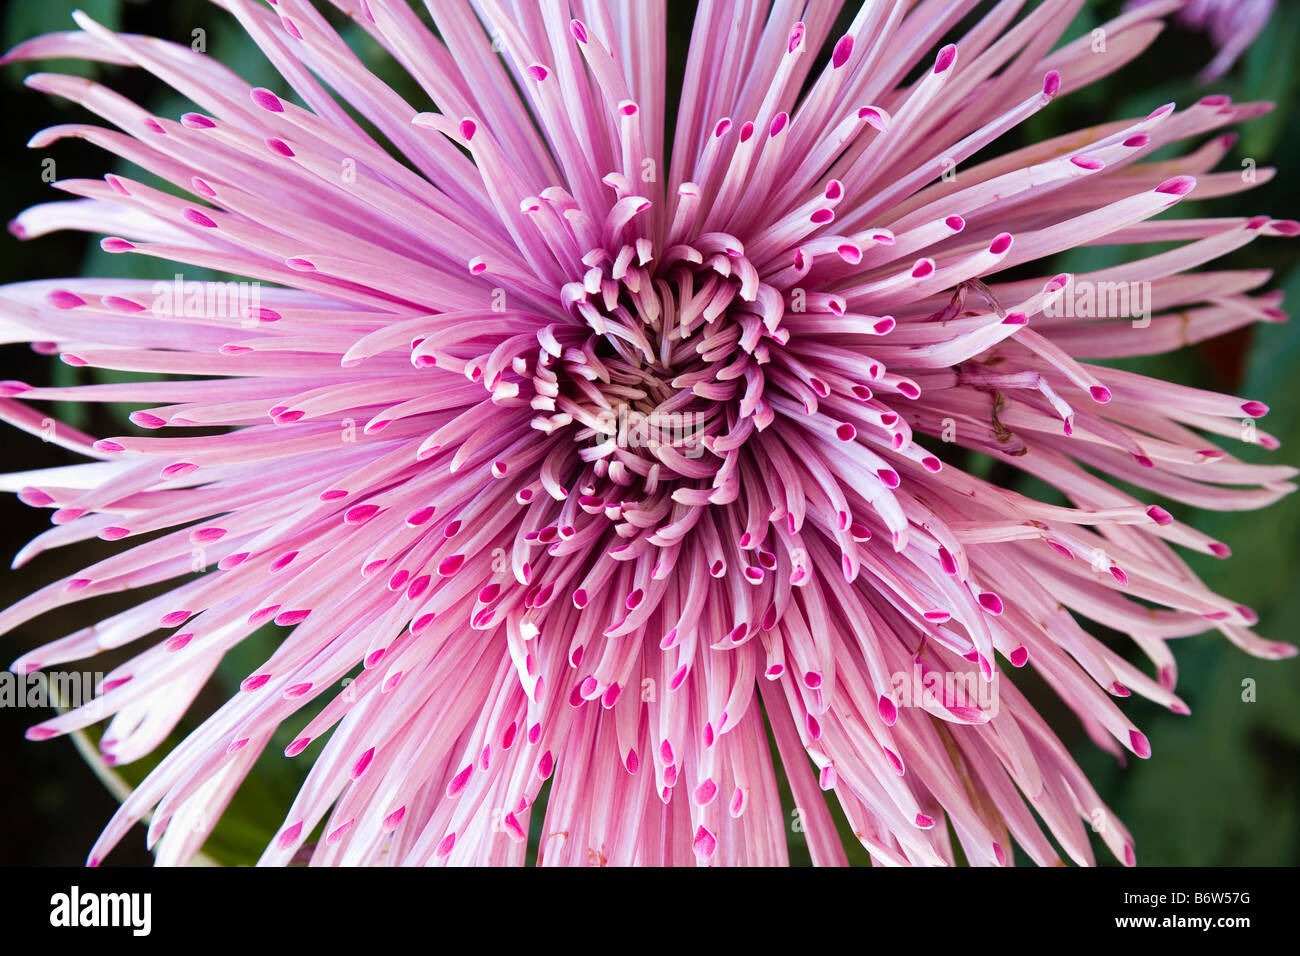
column 607, row 463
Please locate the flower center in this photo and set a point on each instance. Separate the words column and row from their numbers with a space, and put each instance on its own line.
column 662, row 380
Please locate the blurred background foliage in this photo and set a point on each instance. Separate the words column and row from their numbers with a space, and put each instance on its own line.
column 1223, row 786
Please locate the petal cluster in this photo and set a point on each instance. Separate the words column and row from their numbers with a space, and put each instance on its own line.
column 595, row 479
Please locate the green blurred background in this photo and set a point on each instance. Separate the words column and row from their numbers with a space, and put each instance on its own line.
column 1223, row 786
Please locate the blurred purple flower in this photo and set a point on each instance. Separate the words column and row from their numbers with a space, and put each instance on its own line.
column 1232, row 26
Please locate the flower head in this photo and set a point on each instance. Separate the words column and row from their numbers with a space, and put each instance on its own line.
column 602, row 461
